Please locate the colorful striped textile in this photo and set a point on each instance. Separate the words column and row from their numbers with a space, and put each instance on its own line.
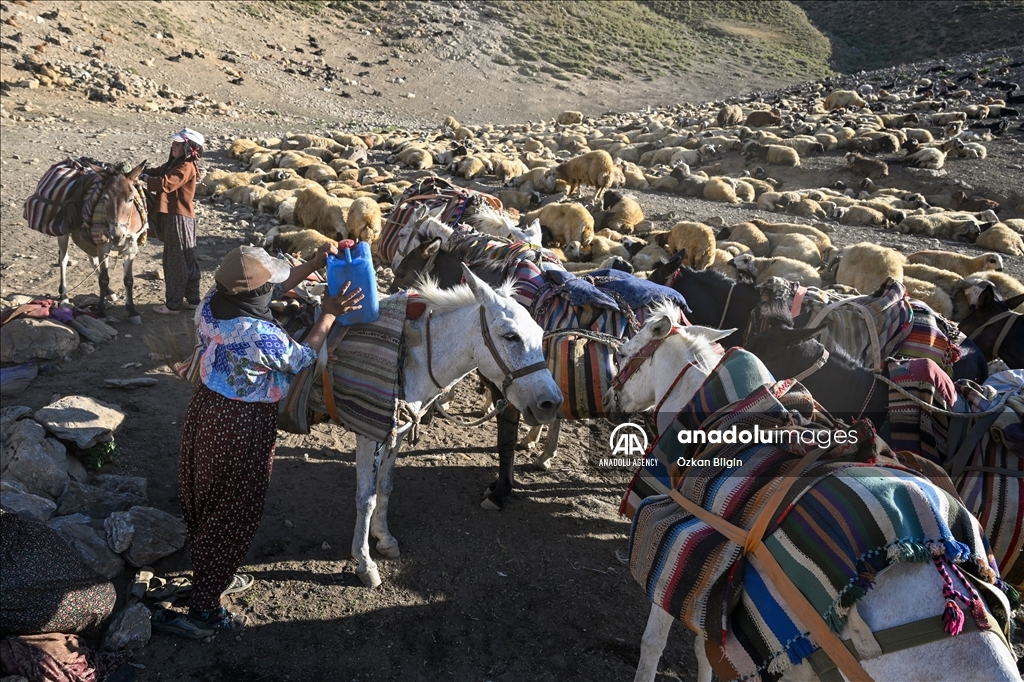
column 737, row 375
column 367, row 378
column 992, row 483
column 57, row 206
column 434, row 193
column 856, row 511
column 911, row 427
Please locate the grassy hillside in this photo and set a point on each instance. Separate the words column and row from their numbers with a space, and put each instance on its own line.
column 873, row 34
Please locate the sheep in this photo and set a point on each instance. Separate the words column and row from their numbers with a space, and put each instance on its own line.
column 795, row 246
column 970, row 150
column 804, row 145
column 863, row 215
column 521, row 201
column 541, row 179
column 363, row 222
column 1002, row 239
column 315, row 209
column 764, row 268
column 926, row 157
column 595, row 169
column 941, row 225
column 840, row 99
column 820, row 238
column 866, row 267
column 734, row 248
column 263, row 161
column 1015, row 224
column 247, row 195
column 303, row 243
column 775, row 154
column 602, row 248
column 944, row 279
column 898, row 120
column 931, row 294
column 697, row 240
column 286, row 210
column 507, row 169
column 623, row 212
column 570, row 118
column 296, row 160
column 955, row 262
column 761, row 119
column 320, row 173
column 962, row 202
column 947, row 117
column 240, row 146
column 808, row 208
column 723, row 264
column 1006, row 286
column 471, row 167
column 649, row 257
column 217, row 181
column 750, row 236
column 719, row 189
column 730, row 115
column 567, row 222
column 865, row 167
column 272, row 199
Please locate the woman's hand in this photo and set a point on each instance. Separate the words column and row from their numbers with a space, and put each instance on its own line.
column 320, row 259
column 343, row 302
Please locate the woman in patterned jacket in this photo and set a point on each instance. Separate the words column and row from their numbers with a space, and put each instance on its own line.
column 230, row 429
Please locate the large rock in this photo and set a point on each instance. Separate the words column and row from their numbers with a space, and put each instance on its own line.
column 81, row 498
column 85, row 421
column 24, row 339
column 129, row 629
column 35, row 460
column 91, row 545
column 120, row 531
column 132, row 485
column 30, row 506
column 10, row 415
column 76, row 470
column 157, row 534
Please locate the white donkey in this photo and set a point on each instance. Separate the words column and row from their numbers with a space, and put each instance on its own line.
column 467, row 327
column 904, row 593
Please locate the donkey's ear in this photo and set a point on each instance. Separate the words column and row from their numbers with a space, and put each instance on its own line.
column 792, row 337
column 986, row 298
column 1012, row 303
column 480, row 290
column 661, row 328
column 431, row 247
column 134, row 174
column 709, row 333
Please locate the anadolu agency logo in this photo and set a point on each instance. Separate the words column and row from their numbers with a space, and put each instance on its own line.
column 628, row 443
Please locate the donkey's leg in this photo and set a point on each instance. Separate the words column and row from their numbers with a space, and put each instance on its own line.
column 543, row 460
column 101, row 309
column 508, row 428
column 62, row 245
column 532, row 437
column 366, row 500
column 386, row 542
column 652, row 644
column 129, row 281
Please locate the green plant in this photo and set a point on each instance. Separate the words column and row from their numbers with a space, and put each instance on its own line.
column 95, row 457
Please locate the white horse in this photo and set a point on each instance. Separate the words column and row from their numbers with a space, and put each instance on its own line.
column 903, row 593
column 467, row 327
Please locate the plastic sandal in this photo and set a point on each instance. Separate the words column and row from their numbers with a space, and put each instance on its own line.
column 164, row 310
column 240, row 582
column 171, row 623
column 220, row 619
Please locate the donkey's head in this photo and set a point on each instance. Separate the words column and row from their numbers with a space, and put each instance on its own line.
column 118, row 198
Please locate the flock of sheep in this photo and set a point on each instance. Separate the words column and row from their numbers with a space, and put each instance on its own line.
column 325, row 188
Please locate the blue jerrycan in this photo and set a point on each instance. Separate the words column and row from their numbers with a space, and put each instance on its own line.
column 354, row 264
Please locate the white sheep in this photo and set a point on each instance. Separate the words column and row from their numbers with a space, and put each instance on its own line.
column 1002, row 239
column 946, row 225
column 764, row 268
column 795, row 246
column 866, row 267
column 955, row 262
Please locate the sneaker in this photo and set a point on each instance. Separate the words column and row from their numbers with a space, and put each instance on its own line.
column 220, row 619
column 240, row 582
column 171, row 623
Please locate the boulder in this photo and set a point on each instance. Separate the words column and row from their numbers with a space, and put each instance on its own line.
column 131, row 485
column 81, row 498
column 58, row 522
column 120, row 531
column 27, row 338
column 129, row 629
column 30, row 506
column 9, row 415
column 157, row 534
column 10, row 485
column 35, row 460
column 85, row 421
column 91, row 545
column 76, row 470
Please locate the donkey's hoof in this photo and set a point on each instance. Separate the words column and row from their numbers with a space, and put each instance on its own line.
column 370, row 577
column 391, row 552
column 542, row 464
column 135, row 319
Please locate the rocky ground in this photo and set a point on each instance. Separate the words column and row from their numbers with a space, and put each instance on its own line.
column 531, row 593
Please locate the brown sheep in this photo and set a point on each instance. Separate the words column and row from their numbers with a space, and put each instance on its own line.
column 622, row 213
column 958, row 263
column 567, row 222
column 318, row 211
column 730, row 115
column 697, row 239
column 595, row 169
column 865, row 167
column 363, row 222
column 760, row 119
column 962, row 202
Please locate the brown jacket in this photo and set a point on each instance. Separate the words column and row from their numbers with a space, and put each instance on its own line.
column 174, row 191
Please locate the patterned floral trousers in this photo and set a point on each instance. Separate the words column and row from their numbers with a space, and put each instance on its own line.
column 227, row 453
column 181, row 269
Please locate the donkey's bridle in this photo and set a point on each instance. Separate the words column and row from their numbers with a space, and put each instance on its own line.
column 510, row 374
column 634, row 361
column 1011, row 318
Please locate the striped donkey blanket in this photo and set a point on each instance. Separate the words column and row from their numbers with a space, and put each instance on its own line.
column 868, row 328
column 367, row 379
column 855, row 512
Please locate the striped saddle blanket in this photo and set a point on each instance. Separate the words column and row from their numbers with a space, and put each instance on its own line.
column 65, row 197
column 869, row 328
column 855, row 511
column 367, row 380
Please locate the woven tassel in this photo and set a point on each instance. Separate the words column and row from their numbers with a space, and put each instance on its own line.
column 1011, row 594
column 953, row 618
column 957, row 551
column 980, row 616
column 800, row 649
column 894, row 553
column 834, row 621
column 936, row 548
column 779, row 665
